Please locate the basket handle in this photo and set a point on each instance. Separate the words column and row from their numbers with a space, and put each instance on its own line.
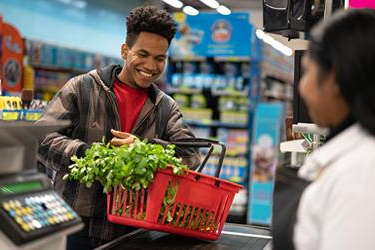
column 204, row 143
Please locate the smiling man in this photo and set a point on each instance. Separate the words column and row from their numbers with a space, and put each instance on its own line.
column 118, row 103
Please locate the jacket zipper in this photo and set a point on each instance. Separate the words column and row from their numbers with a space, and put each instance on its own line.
column 114, row 108
column 143, row 119
column 110, row 97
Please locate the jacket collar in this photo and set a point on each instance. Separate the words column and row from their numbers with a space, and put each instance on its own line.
column 108, row 75
column 335, row 148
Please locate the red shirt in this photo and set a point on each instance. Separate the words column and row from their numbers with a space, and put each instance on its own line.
column 130, row 102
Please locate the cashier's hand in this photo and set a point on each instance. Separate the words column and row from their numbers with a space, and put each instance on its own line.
column 121, row 138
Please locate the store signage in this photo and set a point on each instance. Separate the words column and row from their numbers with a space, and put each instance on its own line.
column 264, row 159
column 221, row 31
column 11, row 58
column 210, row 35
column 13, row 46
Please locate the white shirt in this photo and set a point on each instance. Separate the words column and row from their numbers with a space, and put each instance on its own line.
column 337, row 211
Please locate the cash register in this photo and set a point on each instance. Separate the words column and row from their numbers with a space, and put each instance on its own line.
column 32, row 214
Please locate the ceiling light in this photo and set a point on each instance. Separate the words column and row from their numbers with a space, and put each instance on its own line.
column 260, row 34
column 223, row 10
column 274, row 43
column 211, row 3
column 175, row 3
column 190, row 11
column 79, row 4
column 65, row 1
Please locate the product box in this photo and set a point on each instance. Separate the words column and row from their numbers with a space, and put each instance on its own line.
column 48, row 57
column 34, row 50
column 89, row 61
column 78, row 59
column 63, row 56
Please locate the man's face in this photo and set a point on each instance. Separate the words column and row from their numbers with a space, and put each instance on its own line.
column 145, row 61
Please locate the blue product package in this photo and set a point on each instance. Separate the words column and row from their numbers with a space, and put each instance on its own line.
column 245, row 70
column 199, row 81
column 190, row 67
column 188, row 80
column 219, row 82
column 64, row 57
column 230, row 83
column 231, row 69
column 78, row 60
column 177, row 80
column 48, row 55
column 89, row 61
column 239, row 83
column 206, row 68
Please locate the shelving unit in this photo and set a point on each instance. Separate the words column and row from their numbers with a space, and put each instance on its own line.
column 53, row 65
column 216, row 124
column 213, row 96
column 211, row 93
column 277, row 80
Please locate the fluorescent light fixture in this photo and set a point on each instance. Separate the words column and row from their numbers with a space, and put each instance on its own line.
column 79, row 4
column 65, row 1
column 175, row 3
column 260, row 34
column 274, row 43
column 211, row 3
column 223, row 10
column 190, row 11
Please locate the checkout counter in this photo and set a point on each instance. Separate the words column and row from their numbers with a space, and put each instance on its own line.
column 233, row 237
column 33, row 216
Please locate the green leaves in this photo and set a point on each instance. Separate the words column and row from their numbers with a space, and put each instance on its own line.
column 131, row 166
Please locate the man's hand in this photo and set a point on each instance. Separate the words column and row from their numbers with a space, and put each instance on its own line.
column 121, row 138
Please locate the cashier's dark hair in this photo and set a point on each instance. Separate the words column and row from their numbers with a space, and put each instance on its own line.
column 149, row 19
column 345, row 43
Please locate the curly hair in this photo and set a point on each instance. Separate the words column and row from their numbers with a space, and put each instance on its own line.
column 149, row 19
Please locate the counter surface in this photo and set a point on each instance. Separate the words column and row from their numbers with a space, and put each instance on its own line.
column 233, row 237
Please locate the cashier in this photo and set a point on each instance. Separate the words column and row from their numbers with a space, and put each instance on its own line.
column 118, row 102
column 336, row 210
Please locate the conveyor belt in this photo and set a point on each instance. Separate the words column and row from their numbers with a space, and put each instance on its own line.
column 233, row 237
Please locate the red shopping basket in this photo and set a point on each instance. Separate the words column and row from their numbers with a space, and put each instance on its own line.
column 196, row 205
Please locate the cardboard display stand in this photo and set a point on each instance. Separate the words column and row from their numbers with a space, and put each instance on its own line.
column 11, row 57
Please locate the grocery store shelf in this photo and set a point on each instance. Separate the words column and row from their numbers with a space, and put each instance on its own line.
column 188, row 58
column 215, row 124
column 270, row 94
column 215, row 58
column 232, row 58
column 57, row 68
column 229, row 93
column 171, row 90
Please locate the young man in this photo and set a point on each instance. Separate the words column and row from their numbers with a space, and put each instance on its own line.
column 103, row 103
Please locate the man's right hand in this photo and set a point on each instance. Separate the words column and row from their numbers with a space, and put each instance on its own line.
column 121, row 138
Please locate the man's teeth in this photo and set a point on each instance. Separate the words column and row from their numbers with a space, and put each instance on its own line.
column 145, row 74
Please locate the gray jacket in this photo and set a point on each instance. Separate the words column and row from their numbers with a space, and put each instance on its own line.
column 89, row 102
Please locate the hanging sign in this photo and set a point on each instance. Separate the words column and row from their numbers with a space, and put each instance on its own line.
column 210, row 35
